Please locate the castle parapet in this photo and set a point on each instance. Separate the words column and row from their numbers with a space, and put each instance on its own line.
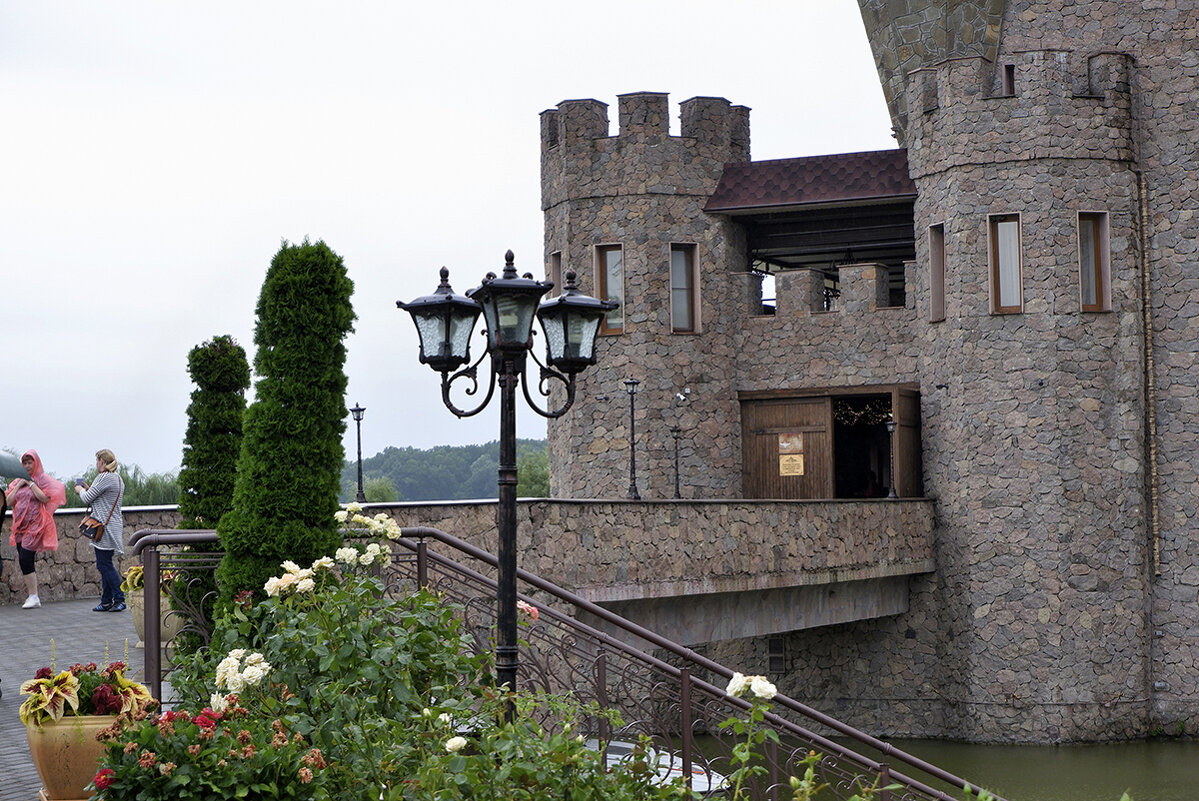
column 580, row 159
column 1038, row 104
column 863, row 288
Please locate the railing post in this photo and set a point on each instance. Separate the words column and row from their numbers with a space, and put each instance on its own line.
column 152, row 641
column 601, row 697
column 772, row 757
column 685, row 722
column 422, row 564
column 884, row 781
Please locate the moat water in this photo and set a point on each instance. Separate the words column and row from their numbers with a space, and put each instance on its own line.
column 1154, row 770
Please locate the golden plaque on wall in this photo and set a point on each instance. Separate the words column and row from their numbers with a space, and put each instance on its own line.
column 791, row 454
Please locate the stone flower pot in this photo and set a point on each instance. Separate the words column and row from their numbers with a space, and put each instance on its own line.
column 67, row 754
column 170, row 621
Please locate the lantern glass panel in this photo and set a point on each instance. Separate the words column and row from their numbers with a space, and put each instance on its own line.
column 509, row 319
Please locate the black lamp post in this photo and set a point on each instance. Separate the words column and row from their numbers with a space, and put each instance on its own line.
column 358, row 411
column 674, row 432
column 631, row 386
column 891, row 449
column 508, row 304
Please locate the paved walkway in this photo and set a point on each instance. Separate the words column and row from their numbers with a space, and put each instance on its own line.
column 79, row 635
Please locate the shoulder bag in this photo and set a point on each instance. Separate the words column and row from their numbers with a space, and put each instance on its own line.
column 92, row 528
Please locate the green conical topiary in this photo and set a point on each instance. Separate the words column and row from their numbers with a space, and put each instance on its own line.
column 212, row 443
column 291, row 456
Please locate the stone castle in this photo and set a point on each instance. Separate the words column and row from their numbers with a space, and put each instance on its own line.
column 1001, row 315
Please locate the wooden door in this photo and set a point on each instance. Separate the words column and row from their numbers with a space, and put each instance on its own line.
column 787, row 448
column 909, row 473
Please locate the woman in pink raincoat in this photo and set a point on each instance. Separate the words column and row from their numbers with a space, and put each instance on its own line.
column 33, row 502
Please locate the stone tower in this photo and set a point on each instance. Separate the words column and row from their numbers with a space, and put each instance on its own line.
column 1052, row 146
column 637, row 197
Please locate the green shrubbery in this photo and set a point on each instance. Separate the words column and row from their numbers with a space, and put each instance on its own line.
column 286, row 489
column 212, row 442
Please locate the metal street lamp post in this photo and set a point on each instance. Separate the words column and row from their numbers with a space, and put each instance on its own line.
column 631, row 386
column 445, row 321
column 358, row 411
column 891, row 449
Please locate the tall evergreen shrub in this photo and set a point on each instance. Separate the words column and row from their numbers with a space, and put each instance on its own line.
column 214, row 422
column 291, row 457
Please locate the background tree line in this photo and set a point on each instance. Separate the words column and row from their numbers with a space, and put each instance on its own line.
column 446, row 473
column 442, row 473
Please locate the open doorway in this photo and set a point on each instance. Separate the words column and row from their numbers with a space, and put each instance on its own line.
column 862, row 446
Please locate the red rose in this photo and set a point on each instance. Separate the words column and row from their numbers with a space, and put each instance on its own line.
column 103, row 779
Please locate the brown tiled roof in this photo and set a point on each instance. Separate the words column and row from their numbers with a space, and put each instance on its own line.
column 873, row 175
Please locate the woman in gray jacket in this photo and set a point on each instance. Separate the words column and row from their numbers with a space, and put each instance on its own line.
column 104, row 496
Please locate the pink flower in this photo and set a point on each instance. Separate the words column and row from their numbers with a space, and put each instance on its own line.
column 527, row 609
column 103, row 779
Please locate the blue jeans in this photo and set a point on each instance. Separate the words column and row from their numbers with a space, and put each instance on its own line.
column 110, row 579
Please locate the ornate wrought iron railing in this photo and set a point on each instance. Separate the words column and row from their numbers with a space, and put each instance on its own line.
column 665, row 695
column 180, row 588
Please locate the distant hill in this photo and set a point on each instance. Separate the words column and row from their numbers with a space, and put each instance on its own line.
column 444, row 473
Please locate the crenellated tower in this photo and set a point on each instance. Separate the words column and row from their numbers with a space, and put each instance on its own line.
column 625, row 213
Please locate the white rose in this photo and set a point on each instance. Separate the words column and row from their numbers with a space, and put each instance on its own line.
column 455, row 744
column 272, row 587
column 737, row 685
column 290, row 566
column 340, row 515
column 762, row 688
column 252, row 675
column 347, row 556
column 217, row 702
column 354, row 507
column 305, row 585
column 324, row 563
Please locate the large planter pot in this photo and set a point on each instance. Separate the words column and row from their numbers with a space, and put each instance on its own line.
column 67, row 754
column 170, row 621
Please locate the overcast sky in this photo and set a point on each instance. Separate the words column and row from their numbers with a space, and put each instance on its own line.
column 155, row 154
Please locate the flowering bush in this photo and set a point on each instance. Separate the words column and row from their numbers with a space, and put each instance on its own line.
column 215, row 753
column 84, row 690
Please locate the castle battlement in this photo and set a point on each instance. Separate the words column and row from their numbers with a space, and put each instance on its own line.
column 1033, row 104
column 580, row 159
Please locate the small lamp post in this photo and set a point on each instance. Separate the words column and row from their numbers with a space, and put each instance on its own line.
column 891, row 451
column 358, row 411
column 571, row 322
column 674, row 432
column 631, row 386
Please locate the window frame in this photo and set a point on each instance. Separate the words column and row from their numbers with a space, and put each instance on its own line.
column 936, row 272
column 691, row 251
column 554, row 273
column 603, row 291
column 1100, row 269
column 997, row 268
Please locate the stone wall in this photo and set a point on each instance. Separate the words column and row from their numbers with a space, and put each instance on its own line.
column 70, row 572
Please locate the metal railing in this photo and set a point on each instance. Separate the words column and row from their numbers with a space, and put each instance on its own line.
column 179, row 568
column 667, row 695
column 661, row 696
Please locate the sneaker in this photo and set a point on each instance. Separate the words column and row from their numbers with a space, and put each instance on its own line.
column 117, row 607
column 102, row 608
column 32, row 602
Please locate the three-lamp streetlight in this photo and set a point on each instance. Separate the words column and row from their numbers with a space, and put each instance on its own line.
column 445, row 321
column 358, row 411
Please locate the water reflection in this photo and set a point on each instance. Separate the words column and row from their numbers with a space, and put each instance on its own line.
column 1157, row 770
